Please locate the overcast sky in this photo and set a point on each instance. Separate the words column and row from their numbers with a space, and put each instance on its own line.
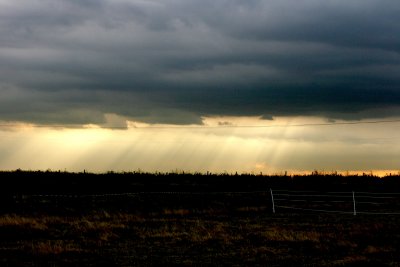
column 176, row 61
column 72, row 69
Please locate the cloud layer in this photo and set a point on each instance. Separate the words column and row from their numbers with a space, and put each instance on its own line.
column 175, row 61
column 352, row 147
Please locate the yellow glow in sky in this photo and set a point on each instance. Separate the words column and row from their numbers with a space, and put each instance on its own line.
column 218, row 146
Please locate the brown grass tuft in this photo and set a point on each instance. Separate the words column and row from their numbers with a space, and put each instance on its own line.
column 54, row 247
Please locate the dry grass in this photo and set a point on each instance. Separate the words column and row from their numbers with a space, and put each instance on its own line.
column 280, row 234
column 54, row 247
column 12, row 220
column 171, row 236
column 348, row 260
column 180, row 212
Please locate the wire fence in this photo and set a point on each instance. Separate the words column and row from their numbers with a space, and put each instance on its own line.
column 277, row 201
column 373, row 203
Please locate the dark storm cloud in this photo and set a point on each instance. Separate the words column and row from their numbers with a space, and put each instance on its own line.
column 175, row 61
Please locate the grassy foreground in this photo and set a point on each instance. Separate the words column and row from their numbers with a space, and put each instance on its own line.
column 77, row 227
column 177, row 238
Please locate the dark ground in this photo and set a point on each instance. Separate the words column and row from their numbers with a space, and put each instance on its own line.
column 63, row 219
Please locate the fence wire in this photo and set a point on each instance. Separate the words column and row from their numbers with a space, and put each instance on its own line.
column 372, row 203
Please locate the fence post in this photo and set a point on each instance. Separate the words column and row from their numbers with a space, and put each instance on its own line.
column 272, row 199
column 354, row 205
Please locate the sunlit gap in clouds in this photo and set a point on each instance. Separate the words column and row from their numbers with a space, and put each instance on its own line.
column 221, row 144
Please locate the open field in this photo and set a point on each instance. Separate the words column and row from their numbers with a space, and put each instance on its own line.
column 177, row 238
column 76, row 223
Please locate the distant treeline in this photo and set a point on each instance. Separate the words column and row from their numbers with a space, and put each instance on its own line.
column 30, row 182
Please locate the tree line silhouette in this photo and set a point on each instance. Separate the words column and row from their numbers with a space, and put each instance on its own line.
column 51, row 182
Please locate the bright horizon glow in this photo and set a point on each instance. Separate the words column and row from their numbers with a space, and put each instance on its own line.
column 354, row 148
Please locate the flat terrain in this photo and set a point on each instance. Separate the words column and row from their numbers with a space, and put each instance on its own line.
column 122, row 239
column 82, row 223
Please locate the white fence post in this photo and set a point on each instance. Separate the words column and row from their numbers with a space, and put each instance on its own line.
column 354, row 205
column 272, row 199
